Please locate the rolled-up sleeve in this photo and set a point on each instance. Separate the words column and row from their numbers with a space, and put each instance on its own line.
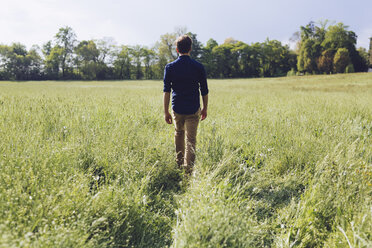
column 203, row 82
column 167, row 80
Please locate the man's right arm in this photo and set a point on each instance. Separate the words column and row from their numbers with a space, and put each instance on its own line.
column 166, row 96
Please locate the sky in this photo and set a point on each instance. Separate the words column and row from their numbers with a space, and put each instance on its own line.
column 131, row 22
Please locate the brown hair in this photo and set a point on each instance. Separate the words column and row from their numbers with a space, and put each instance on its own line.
column 184, row 44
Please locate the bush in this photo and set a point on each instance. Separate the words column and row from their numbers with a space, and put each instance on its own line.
column 349, row 69
column 291, row 73
column 341, row 60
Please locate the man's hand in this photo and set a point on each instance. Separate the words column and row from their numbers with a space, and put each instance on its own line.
column 203, row 114
column 168, row 118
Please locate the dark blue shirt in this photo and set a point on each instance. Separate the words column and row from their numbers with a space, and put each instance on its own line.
column 185, row 77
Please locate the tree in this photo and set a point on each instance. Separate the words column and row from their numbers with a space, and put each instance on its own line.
column 309, row 52
column 245, row 60
column 230, row 40
column 208, row 59
column 325, row 61
column 255, row 56
column 136, row 53
column 196, row 48
column 166, row 47
column 66, row 39
column 35, row 65
column 364, row 55
column 16, row 63
column 338, row 36
column 310, row 47
column 86, row 59
column 341, row 60
column 4, row 60
column 149, row 61
column 315, row 39
column 107, row 49
column 226, row 60
column 321, row 30
column 276, row 58
column 47, row 48
column 122, row 63
column 166, row 52
column 52, row 62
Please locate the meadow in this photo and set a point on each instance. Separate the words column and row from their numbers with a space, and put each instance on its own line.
column 281, row 162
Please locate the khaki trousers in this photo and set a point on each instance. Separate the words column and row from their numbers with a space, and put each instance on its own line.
column 186, row 127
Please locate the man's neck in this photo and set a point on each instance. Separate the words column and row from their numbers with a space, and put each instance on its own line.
column 184, row 54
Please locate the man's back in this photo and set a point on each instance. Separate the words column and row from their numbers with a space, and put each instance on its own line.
column 185, row 77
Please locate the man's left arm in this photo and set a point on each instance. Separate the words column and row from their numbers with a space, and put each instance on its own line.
column 204, row 92
column 167, row 115
column 205, row 107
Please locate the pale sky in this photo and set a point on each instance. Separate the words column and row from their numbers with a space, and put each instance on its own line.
column 142, row 22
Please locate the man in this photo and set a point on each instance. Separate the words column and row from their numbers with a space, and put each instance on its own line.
column 186, row 78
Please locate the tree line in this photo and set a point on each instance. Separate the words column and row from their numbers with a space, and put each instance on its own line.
column 320, row 49
column 331, row 49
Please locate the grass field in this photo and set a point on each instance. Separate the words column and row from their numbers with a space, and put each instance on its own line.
column 284, row 162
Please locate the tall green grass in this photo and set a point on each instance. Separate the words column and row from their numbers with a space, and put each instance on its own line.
column 283, row 162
